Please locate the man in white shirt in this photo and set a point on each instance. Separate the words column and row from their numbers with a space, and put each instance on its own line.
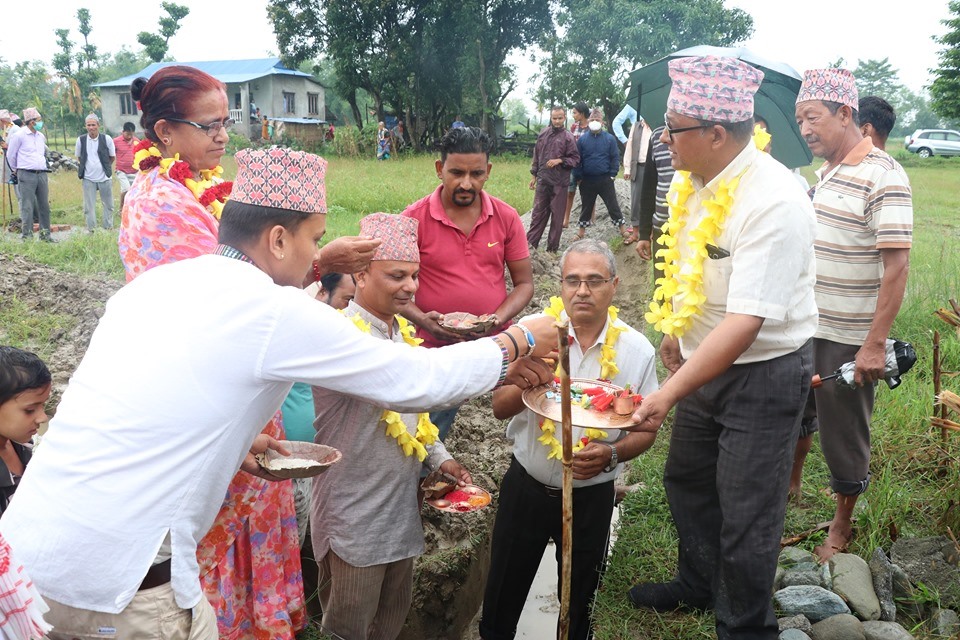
column 186, row 365
column 530, row 510
column 738, row 309
column 96, row 154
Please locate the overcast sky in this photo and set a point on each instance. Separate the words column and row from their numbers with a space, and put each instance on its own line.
column 803, row 34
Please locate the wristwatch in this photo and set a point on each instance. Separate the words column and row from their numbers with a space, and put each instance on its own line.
column 613, row 458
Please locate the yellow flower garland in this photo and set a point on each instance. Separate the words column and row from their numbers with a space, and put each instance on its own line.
column 427, row 432
column 208, row 177
column 608, row 369
column 688, row 282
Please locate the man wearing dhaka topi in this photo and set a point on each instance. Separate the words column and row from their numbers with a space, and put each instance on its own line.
column 864, row 232
column 737, row 309
column 365, row 519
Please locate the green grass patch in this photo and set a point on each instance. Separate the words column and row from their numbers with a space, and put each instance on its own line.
column 25, row 327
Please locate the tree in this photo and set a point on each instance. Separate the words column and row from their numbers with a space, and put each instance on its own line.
column 945, row 90
column 878, row 78
column 598, row 43
column 156, row 45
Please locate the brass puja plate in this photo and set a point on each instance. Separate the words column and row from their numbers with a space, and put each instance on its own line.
column 473, row 498
column 536, row 399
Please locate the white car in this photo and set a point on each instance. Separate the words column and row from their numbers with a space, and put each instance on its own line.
column 933, row 142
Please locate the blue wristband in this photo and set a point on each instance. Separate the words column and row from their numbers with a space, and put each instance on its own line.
column 531, row 343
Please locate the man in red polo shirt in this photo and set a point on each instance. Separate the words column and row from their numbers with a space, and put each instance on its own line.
column 466, row 237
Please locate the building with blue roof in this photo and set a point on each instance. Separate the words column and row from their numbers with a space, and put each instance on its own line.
column 281, row 94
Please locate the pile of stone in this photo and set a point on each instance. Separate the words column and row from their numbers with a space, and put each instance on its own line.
column 852, row 599
column 57, row 161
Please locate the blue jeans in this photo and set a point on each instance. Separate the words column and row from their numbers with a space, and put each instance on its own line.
column 443, row 420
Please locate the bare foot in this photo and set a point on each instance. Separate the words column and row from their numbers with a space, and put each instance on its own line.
column 838, row 538
column 566, row 221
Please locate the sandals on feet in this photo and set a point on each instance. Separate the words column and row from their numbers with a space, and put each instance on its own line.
column 628, row 237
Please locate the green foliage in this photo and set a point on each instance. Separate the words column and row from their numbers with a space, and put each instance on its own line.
column 597, row 44
column 880, row 78
column 433, row 59
column 877, row 78
column 238, row 142
column 156, row 45
column 945, row 89
column 353, row 142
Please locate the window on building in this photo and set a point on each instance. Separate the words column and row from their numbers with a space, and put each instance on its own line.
column 127, row 105
column 313, row 103
column 289, row 102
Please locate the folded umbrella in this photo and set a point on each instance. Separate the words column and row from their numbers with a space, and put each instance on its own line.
column 775, row 101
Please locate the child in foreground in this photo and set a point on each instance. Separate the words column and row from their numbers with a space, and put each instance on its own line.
column 25, row 384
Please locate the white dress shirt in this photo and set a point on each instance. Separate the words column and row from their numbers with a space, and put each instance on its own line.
column 187, row 364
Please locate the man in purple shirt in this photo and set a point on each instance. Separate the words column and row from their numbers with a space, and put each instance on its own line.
column 554, row 156
column 26, row 153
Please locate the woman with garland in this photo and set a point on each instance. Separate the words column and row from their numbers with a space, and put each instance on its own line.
column 249, row 560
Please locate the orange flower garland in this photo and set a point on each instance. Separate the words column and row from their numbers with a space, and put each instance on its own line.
column 211, row 191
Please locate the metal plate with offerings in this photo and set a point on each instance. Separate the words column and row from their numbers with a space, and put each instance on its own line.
column 465, row 323
column 544, row 400
column 462, row 500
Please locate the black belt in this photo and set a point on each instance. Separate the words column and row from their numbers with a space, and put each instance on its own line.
column 158, row 574
column 530, row 481
column 35, row 170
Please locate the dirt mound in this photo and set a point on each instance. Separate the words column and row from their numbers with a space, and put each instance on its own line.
column 76, row 301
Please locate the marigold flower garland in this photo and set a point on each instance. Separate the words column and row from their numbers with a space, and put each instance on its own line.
column 427, row 432
column 686, row 282
column 211, row 191
column 608, row 369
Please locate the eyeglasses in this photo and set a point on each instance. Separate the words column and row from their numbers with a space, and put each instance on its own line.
column 671, row 132
column 592, row 283
column 211, row 129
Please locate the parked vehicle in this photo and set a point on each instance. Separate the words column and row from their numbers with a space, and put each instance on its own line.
column 933, row 142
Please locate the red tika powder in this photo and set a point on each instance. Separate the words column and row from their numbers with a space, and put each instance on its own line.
column 457, row 496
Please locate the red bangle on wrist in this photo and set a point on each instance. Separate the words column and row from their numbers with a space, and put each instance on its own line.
column 316, row 271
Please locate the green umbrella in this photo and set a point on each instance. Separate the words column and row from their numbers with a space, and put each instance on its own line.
column 775, row 100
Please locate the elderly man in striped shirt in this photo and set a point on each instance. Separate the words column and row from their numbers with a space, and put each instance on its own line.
column 864, row 232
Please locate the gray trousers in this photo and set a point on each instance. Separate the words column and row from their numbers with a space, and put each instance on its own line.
column 549, row 203
column 35, row 192
column 844, row 416
column 90, row 190
column 636, row 184
column 726, row 477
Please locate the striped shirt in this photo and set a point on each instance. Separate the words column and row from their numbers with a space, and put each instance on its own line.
column 863, row 205
column 656, row 184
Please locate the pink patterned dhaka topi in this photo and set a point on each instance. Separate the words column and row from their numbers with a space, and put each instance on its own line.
column 281, row 178
column 398, row 235
column 832, row 85
column 713, row 88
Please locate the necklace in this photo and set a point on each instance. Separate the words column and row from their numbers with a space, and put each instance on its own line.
column 427, row 432
column 608, row 369
column 686, row 280
column 211, row 191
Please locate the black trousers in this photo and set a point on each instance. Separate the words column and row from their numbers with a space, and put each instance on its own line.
column 528, row 516
column 726, row 477
column 590, row 188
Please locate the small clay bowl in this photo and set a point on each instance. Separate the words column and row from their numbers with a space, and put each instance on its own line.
column 313, row 459
column 465, row 323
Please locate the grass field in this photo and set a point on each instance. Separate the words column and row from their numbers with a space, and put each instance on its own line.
column 916, row 476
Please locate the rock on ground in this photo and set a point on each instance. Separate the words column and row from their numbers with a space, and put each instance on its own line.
column 852, row 582
column 797, row 558
column 794, row 577
column 882, row 630
column 839, row 627
column 945, row 622
column 882, row 572
column 795, row 622
column 934, row 561
column 905, row 595
column 816, row 603
column 793, row 634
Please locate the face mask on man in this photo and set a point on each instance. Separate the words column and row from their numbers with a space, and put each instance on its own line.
column 595, row 126
column 38, row 125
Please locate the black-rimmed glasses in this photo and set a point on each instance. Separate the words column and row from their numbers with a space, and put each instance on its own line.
column 670, row 131
column 211, row 129
column 592, row 283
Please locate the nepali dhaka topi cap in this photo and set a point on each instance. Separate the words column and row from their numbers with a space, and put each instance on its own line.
column 832, row 85
column 30, row 113
column 713, row 88
column 595, row 113
column 5, row 115
column 281, row 178
column 397, row 234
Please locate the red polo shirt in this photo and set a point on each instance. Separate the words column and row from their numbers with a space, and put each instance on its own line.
column 465, row 272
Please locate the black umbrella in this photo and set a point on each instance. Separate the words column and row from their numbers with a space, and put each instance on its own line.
column 775, row 100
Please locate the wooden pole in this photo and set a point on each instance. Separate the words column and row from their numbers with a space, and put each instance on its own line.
column 566, row 564
column 936, row 381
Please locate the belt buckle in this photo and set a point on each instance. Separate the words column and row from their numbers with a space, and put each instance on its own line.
column 553, row 492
